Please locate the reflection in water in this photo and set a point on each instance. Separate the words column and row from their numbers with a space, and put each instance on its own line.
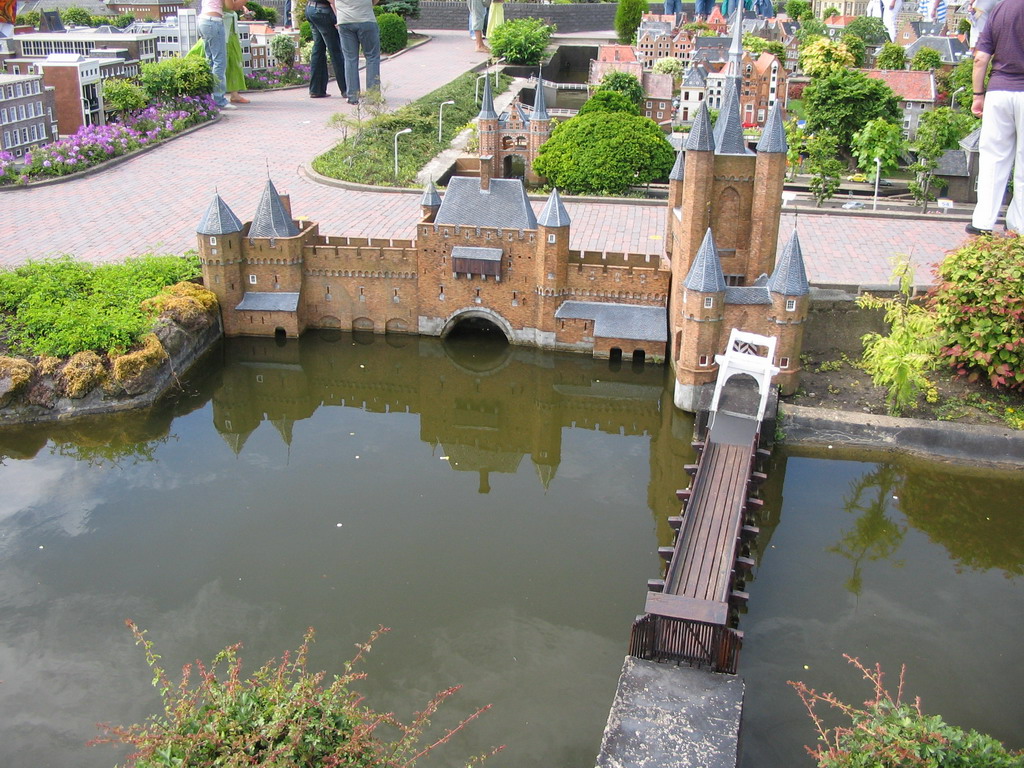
column 299, row 485
column 874, row 536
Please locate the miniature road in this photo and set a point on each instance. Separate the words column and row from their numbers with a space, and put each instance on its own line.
column 153, row 202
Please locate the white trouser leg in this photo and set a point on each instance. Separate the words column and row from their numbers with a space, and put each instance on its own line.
column 1000, row 138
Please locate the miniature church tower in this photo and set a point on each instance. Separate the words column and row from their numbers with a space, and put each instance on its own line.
column 721, row 238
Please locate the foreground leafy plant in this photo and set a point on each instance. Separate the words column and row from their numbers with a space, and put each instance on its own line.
column 521, row 41
column 901, row 360
column 889, row 732
column 58, row 307
column 979, row 305
column 283, row 716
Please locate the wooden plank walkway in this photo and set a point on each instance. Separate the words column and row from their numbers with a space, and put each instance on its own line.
column 688, row 612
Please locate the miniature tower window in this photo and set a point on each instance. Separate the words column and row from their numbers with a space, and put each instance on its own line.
column 784, row 362
column 704, row 361
column 709, row 302
column 791, row 305
column 213, row 240
column 252, row 279
column 551, row 238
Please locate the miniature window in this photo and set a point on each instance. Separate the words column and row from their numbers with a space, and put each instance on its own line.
column 252, row 279
column 704, row 361
column 213, row 240
column 551, row 238
column 709, row 302
column 790, row 305
column 784, row 362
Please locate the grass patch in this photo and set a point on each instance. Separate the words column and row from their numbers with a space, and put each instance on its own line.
column 58, row 307
column 367, row 156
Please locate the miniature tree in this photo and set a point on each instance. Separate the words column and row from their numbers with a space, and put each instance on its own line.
column 880, row 140
column 798, row 9
column 624, row 83
column 823, row 57
column 669, row 66
column 844, row 102
column 856, row 47
column 937, row 131
column 823, row 165
column 926, row 60
column 283, row 49
column 627, row 19
column 870, row 29
column 891, row 56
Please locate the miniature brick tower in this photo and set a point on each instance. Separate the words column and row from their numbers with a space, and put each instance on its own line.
column 513, row 134
column 540, row 131
column 429, row 203
column 790, row 295
column 219, row 237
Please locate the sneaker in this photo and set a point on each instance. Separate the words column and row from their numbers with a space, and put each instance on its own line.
column 319, row 95
column 229, row 105
column 970, row 229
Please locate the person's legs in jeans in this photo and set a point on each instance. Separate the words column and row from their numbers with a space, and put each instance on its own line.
column 216, row 44
column 369, row 39
column 318, row 56
column 349, row 36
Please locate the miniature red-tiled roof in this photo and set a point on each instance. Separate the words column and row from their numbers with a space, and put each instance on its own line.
column 907, row 85
column 838, row 21
column 616, row 53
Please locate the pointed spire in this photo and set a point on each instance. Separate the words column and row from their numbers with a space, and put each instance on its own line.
column 545, row 472
column 219, row 219
column 790, row 277
column 700, row 138
column 735, row 62
column 676, row 174
column 706, row 271
column 554, row 213
column 430, row 199
column 487, row 105
column 728, row 128
column 540, row 110
column 271, row 219
column 773, row 139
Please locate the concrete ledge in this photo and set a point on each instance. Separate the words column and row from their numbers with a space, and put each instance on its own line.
column 944, row 441
column 665, row 716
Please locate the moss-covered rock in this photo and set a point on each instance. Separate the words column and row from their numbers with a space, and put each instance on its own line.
column 81, row 374
column 15, row 375
column 187, row 304
column 137, row 370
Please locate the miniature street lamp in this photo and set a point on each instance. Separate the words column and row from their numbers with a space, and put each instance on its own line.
column 404, row 130
column 440, row 114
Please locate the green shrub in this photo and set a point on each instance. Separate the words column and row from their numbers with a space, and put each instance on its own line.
column 627, row 19
column 604, row 153
column 173, row 77
column 283, row 49
column 262, row 12
column 394, row 35
column 407, row 9
column 521, row 41
column 624, row 83
column 609, row 101
column 282, row 715
column 889, row 732
column 58, row 307
column 76, row 15
column 901, row 360
column 979, row 307
column 305, row 32
column 123, row 95
column 29, row 17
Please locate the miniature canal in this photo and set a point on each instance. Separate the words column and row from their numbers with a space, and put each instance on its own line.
column 500, row 510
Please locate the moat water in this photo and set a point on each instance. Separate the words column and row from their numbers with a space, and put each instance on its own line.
column 500, row 510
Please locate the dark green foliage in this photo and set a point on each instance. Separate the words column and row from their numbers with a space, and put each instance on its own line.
column 886, row 731
column 959, row 78
column 61, row 306
column 305, row 32
column 282, row 716
column 844, row 102
column 926, row 59
column 123, row 95
column 29, row 17
column 757, row 45
column 75, row 15
column 407, row 9
column 605, row 153
column 609, row 101
column 624, row 83
column 173, row 77
column 627, row 19
column 937, row 130
column 980, row 308
column 810, row 30
column 824, row 166
column 521, row 41
column 262, row 13
column 367, row 156
column 122, row 21
column 893, row 56
column 798, row 9
column 870, row 29
column 394, row 35
column 830, row 12
column 856, row 48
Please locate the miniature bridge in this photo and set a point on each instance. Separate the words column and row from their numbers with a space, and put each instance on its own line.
column 690, row 614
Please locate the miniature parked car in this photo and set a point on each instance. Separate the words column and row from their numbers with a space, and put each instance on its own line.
column 861, row 177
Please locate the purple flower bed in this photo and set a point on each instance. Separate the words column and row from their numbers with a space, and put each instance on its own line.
column 279, row 77
column 92, row 144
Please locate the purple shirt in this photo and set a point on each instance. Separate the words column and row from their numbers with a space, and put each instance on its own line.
column 1003, row 39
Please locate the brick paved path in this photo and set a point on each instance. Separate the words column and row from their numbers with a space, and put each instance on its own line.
column 153, row 202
